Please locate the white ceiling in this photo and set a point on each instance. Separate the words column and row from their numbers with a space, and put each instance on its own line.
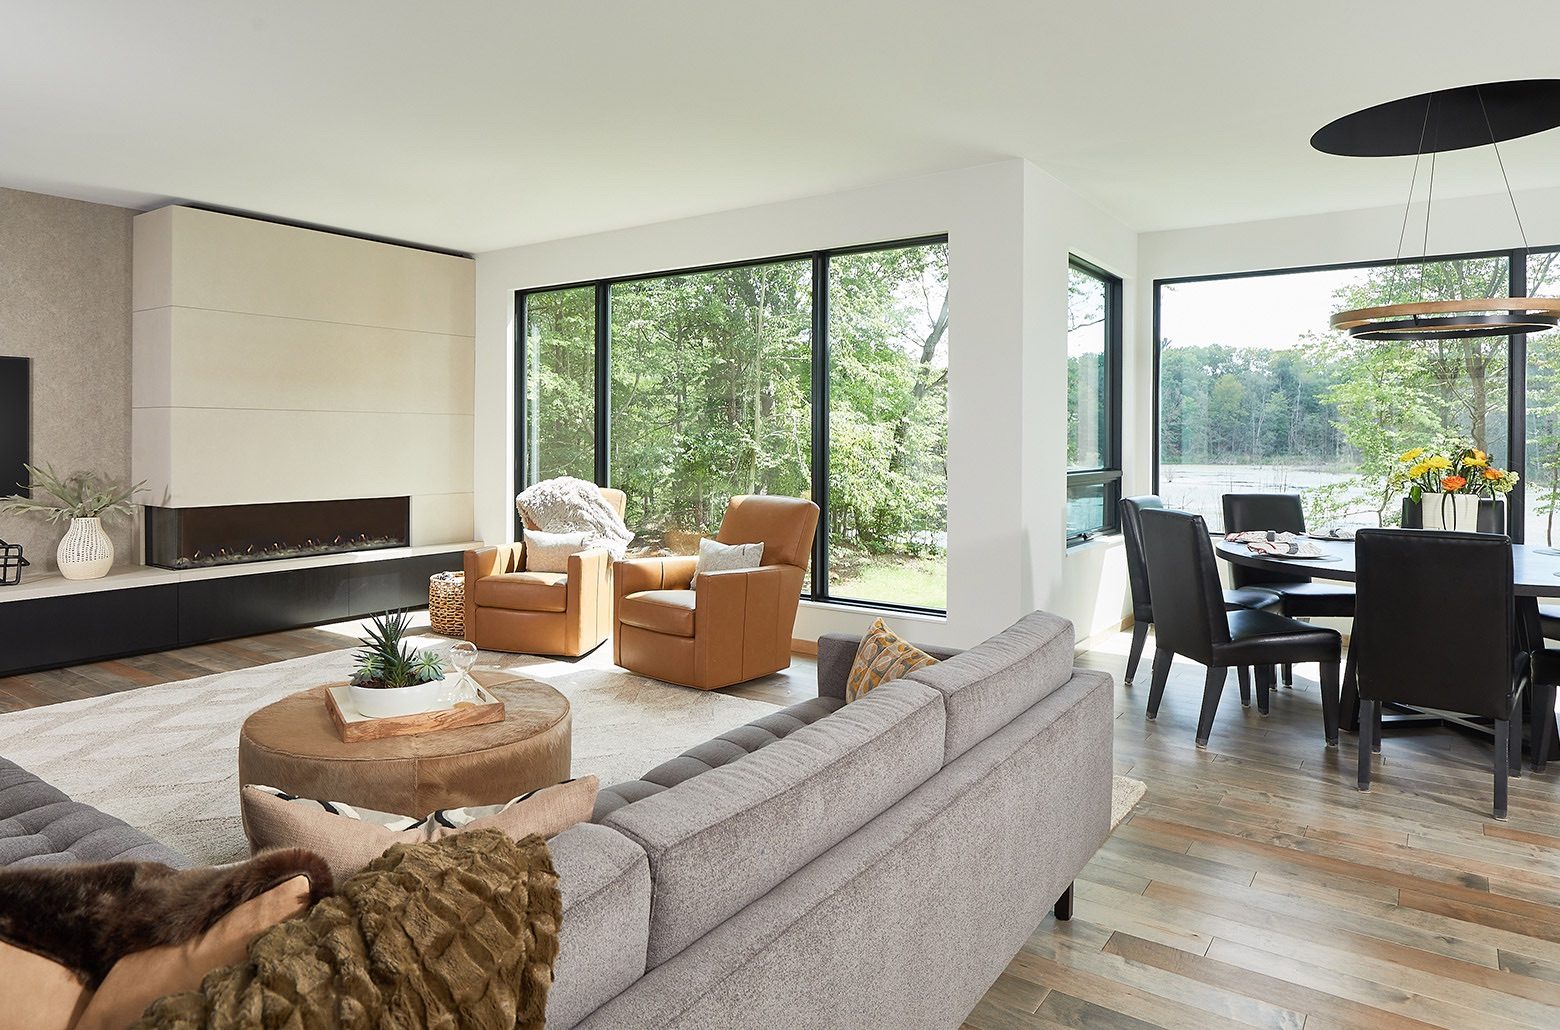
column 476, row 125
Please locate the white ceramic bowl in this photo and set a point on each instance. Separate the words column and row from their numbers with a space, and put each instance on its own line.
column 386, row 702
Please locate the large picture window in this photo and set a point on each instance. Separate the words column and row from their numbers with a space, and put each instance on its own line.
column 822, row 375
column 1093, row 400
column 1256, row 393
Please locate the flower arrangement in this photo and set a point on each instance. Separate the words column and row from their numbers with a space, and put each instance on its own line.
column 384, row 662
column 1459, row 469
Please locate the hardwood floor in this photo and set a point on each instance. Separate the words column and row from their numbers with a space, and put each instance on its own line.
column 1252, row 886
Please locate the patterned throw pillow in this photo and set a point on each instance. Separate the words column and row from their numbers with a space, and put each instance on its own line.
column 348, row 837
column 882, row 657
column 715, row 556
column 549, row 552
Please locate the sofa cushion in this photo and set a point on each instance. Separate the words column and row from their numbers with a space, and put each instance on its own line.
column 605, row 880
column 721, row 840
column 882, row 657
column 525, row 591
column 726, row 748
column 907, row 922
column 41, row 826
column 660, row 611
column 991, row 683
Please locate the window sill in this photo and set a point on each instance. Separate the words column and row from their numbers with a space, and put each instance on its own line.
column 1111, row 538
column 867, row 608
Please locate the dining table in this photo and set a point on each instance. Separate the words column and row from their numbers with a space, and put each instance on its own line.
column 1535, row 574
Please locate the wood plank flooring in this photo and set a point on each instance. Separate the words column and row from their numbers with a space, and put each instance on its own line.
column 1253, row 886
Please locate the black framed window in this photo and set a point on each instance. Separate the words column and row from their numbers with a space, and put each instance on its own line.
column 1253, row 391
column 1093, row 400
column 821, row 375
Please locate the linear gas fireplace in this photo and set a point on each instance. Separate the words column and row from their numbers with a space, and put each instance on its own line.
column 193, row 538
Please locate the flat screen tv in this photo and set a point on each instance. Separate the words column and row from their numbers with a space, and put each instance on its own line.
column 15, row 423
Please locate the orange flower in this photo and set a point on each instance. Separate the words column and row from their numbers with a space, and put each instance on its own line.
column 1494, row 474
column 1452, row 484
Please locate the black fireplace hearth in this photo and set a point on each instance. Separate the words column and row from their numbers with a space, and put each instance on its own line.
column 193, row 538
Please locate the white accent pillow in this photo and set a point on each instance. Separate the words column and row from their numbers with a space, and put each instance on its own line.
column 715, row 556
column 549, row 552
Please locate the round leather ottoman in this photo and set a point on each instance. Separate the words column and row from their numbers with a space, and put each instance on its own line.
column 292, row 745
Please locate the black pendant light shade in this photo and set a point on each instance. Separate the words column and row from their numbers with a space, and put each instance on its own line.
column 1448, row 119
column 1487, row 114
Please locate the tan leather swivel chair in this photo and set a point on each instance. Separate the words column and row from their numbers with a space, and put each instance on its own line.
column 554, row 613
column 737, row 625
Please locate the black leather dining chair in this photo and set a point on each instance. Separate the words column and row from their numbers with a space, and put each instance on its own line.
column 1300, row 596
column 1132, row 509
column 1191, row 621
column 1435, row 627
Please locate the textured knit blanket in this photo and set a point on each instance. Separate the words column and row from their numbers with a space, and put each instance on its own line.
column 569, row 505
column 460, row 932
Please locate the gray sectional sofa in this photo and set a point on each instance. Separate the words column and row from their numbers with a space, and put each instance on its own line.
column 866, row 865
column 41, row 826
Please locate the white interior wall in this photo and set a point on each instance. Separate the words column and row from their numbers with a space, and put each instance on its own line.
column 1009, row 328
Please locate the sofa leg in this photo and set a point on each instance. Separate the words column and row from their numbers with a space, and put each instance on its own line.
column 1063, row 907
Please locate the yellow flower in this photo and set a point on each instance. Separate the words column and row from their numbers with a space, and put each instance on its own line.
column 1480, row 456
column 1476, row 462
column 1438, row 461
column 1411, row 455
column 1419, row 469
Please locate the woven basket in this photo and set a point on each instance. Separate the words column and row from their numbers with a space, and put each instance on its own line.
column 447, row 603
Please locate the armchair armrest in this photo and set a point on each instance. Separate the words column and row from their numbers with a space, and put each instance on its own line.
column 492, row 560
column 673, row 572
column 837, row 653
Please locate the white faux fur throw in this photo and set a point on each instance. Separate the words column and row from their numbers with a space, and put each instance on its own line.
column 569, row 505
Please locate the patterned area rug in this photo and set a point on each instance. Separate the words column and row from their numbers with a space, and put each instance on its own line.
column 1125, row 793
column 165, row 758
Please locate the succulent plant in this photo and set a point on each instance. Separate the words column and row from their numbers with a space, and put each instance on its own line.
column 385, row 662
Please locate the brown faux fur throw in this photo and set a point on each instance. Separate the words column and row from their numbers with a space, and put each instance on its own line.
column 87, row 917
column 459, row 932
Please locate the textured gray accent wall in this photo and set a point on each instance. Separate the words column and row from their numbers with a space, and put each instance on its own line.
column 65, row 303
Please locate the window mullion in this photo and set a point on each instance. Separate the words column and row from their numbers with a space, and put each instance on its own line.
column 820, row 422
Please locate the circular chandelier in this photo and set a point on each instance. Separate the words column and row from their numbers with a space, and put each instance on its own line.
column 1433, row 123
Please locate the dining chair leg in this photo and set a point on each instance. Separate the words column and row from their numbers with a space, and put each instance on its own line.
column 1367, row 719
column 1213, row 689
column 1330, row 702
column 1502, row 746
column 1375, row 730
column 1514, row 742
column 1156, row 689
column 1542, row 704
column 1349, row 707
column 1243, row 673
column 1264, row 686
column 1289, row 675
column 1139, row 639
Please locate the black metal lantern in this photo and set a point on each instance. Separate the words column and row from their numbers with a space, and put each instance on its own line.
column 11, row 564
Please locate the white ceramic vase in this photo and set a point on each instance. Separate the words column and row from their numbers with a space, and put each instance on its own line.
column 86, row 552
column 1458, row 513
column 388, row 702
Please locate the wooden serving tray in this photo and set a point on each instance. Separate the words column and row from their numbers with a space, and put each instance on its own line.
column 352, row 726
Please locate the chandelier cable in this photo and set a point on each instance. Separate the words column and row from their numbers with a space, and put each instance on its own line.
column 1502, row 163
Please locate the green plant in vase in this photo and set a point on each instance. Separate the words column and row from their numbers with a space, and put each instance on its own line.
column 84, row 499
column 391, row 677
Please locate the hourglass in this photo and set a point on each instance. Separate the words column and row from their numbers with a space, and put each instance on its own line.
column 464, row 691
